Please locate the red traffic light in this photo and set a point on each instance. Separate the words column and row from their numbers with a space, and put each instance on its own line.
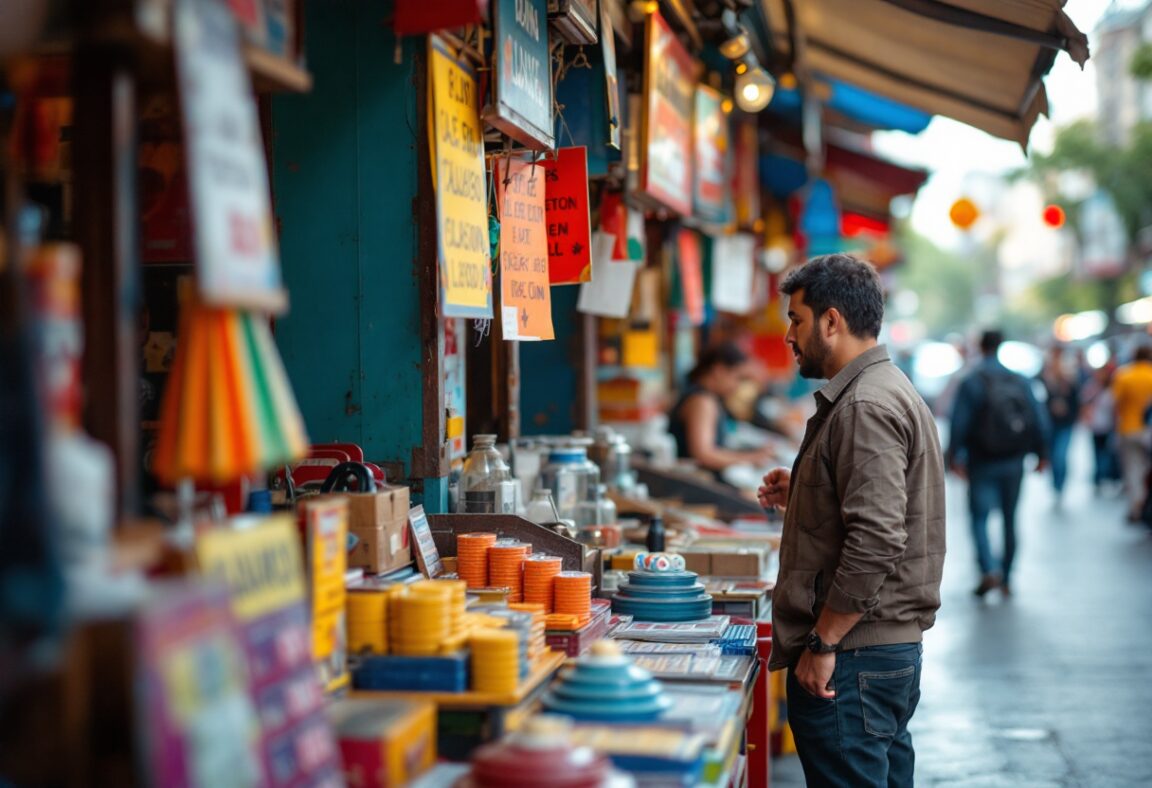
column 1054, row 216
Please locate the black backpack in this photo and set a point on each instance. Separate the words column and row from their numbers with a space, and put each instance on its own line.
column 1006, row 424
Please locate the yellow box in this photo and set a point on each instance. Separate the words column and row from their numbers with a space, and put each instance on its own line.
column 384, row 742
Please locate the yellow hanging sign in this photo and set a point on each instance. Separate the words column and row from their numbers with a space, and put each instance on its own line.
column 461, row 194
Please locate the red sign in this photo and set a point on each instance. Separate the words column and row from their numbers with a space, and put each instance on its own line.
column 421, row 16
column 691, row 275
column 566, row 211
column 669, row 89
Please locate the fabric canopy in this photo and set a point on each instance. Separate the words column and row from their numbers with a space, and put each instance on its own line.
column 978, row 61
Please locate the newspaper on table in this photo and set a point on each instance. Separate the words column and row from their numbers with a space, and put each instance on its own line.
column 648, row 647
column 711, row 628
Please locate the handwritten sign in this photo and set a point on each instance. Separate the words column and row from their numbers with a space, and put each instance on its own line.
column 236, row 259
column 733, row 266
column 569, row 224
column 710, row 196
column 427, row 556
column 669, row 88
column 525, row 297
column 461, row 196
column 522, row 95
column 691, row 275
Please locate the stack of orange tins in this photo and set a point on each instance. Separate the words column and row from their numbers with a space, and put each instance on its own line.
column 573, row 593
column 472, row 557
column 506, row 567
column 539, row 571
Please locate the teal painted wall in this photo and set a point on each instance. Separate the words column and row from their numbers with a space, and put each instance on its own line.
column 549, row 381
column 345, row 183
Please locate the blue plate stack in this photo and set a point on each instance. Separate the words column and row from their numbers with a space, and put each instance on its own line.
column 662, row 596
column 606, row 686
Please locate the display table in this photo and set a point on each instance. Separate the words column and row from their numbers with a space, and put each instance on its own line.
column 465, row 720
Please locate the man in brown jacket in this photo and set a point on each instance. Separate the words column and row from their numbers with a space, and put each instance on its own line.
column 863, row 545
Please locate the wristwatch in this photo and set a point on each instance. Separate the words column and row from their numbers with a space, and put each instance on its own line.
column 818, row 646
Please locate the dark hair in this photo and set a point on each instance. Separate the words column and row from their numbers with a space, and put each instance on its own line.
column 990, row 341
column 726, row 354
column 842, row 281
column 1144, row 353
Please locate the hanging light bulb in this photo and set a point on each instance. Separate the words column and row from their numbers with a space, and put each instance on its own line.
column 754, row 89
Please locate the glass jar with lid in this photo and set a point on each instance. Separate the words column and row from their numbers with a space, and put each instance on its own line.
column 540, row 509
column 572, row 478
column 483, row 473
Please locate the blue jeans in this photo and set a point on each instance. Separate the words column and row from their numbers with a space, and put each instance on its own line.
column 860, row 738
column 1058, row 455
column 994, row 484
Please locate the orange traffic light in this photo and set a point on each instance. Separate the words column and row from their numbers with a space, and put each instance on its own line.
column 964, row 213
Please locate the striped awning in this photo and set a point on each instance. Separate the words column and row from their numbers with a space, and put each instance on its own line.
column 979, row 61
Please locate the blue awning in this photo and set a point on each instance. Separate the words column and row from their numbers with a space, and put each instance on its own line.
column 855, row 103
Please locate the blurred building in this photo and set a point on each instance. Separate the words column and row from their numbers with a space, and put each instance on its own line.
column 1123, row 100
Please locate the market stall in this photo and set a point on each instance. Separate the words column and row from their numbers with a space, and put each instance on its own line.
column 339, row 343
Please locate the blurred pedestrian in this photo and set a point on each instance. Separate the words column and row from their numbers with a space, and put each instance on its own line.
column 996, row 422
column 863, row 543
column 1062, row 387
column 1132, row 390
column 1098, row 411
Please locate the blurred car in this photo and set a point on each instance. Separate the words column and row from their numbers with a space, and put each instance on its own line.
column 1021, row 357
column 933, row 364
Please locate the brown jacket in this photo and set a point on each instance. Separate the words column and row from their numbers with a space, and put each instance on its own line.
column 864, row 527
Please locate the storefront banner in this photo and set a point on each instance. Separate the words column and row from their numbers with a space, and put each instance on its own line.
column 745, row 172
column 569, row 223
column 611, row 79
column 522, row 91
column 691, row 275
column 525, row 296
column 713, row 157
column 461, row 195
column 609, row 294
column 236, row 259
column 669, row 87
column 733, row 261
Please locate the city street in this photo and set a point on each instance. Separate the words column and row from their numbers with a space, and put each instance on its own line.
column 1052, row 687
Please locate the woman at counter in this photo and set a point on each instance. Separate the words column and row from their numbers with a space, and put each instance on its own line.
column 701, row 423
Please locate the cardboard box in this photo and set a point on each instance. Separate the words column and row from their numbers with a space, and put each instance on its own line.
column 325, row 524
column 697, row 561
column 381, row 548
column 733, row 562
column 384, row 742
column 370, row 510
column 743, row 562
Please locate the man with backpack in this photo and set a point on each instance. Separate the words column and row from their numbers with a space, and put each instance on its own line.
column 996, row 422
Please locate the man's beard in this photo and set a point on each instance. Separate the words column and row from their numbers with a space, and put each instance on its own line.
column 813, row 356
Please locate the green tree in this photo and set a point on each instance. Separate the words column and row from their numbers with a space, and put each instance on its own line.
column 946, row 283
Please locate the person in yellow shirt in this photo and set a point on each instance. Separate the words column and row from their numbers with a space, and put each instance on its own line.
column 1132, row 390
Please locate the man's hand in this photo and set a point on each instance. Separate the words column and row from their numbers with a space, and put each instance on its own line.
column 774, row 491
column 814, row 673
column 1041, row 466
column 959, row 469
